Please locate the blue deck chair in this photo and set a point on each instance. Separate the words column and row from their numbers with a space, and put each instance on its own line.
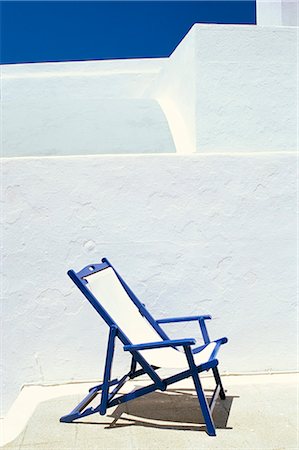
column 143, row 337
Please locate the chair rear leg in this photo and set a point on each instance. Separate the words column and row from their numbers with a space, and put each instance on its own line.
column 204, row 406
column 219, row 383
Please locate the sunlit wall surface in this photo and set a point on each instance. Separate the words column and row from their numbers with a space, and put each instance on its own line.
column 206, row 224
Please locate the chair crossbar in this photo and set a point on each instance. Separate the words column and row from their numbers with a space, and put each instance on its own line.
column 121, row 383
column 77, row 413
column 98, row 387
column 139, row 372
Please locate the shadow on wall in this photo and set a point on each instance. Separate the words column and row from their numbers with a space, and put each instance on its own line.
column 176, row 410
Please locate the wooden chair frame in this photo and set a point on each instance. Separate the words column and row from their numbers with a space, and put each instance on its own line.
column 109, row 397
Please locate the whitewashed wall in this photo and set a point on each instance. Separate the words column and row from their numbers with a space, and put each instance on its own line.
column 224, row 89
column 235, row 88
column 175, row 89
column 191, row 235
column 82, row 108
column 202, row 233
column 245, row 91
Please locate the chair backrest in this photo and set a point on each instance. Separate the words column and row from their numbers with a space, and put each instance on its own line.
column 112, row 296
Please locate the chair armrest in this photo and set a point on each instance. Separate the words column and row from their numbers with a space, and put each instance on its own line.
column 183, row 319
column 160, row 344
column 200, row 319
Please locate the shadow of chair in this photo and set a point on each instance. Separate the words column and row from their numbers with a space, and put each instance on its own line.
column 174, row 410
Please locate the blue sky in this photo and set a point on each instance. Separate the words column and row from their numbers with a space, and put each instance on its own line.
column 74, row 30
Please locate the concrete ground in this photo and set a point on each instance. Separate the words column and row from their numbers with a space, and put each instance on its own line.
column 260, row 412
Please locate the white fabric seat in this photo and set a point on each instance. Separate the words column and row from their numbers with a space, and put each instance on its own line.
column 107, row 289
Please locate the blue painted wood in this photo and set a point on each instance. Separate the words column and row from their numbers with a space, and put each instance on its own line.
column 200, row 319
column 204, row 331
column 121, row 383
column 159, row 344
column 99, row 386
column 219, row 342
column 91, row 268
column 208, row 365
column 183, row 319
column 199, row 349
column 200, row 394
column 76, row 411
column 168, row 381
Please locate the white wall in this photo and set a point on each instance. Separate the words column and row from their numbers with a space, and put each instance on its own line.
column 226, row 88
column 246, row 89
column 235, row 87
column 190, row 234
column 175, row 89
column 82, row 108
column 208, row 232
column 77, row 127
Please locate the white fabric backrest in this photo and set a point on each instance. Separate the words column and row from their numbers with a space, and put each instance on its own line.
column 109, row 292
column 107, row 289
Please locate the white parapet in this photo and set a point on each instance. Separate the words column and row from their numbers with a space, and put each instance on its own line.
column 226, row 88
column 235, row 88
column 82, row 108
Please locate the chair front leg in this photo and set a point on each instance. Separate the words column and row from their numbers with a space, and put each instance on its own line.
column 107, row 373
column 200, row 393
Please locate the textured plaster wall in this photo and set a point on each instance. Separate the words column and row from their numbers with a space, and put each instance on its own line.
column 224, row 89
column 232, row 89
column 77, row 127
column 175, row 89
column 82, row 108
column 190, row 234
column 246, row 85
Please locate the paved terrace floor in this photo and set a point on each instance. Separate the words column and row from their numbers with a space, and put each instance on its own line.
column 260, row 412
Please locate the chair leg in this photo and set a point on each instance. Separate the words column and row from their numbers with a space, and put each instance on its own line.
column 219, row 382
column 204, row 406
column 201, row 395
column 107, row 373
